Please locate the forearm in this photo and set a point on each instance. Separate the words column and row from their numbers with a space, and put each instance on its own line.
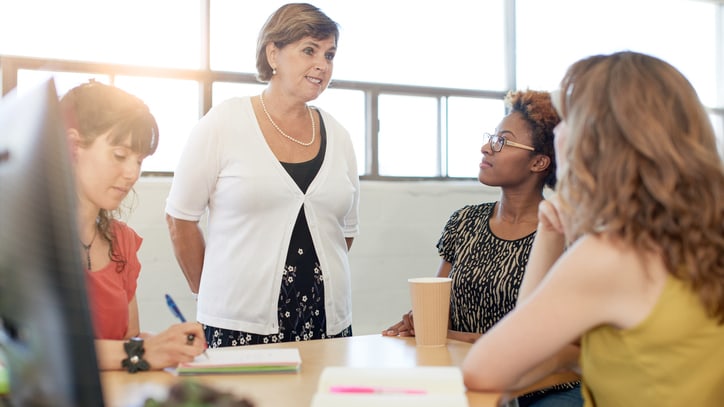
column 485, row 369
column 565, row 360
column 469, row 337
column 188, row 245
column 168, row 348
column 547, row 248
column 110, row 354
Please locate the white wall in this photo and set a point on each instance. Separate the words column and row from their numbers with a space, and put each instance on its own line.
column 400, row 223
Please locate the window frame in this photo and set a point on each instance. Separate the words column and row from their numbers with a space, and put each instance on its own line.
column 10, row 65
column 205, row 77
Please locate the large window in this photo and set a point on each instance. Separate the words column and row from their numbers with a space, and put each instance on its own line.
column 408, row 42
column 681, row 32
column 162, row 33
column 416, row 84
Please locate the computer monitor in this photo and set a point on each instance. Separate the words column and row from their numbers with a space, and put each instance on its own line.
column 46, row 336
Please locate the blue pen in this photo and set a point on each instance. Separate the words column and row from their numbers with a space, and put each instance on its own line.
column 174, row 308
column 177, row 313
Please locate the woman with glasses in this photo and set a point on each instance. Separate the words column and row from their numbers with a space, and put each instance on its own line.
column 485, row 247
column 629, row 255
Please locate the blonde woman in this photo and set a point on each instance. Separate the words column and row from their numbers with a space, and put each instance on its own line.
column 640, row 212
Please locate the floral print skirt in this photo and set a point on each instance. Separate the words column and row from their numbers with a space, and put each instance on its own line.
column 301, row 310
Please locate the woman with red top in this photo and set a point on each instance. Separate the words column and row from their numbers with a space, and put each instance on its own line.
column 110, row 132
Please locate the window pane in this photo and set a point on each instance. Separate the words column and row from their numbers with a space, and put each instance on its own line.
column 717, row 122
column 550, row 40
column 348, row 107
column 226, row 90
column 461, row 43
column 468, row 119
column 149, row 33
column 458, row 45
column 408, row 141
column 64, row 81
column 175, row 104
column 235, row 27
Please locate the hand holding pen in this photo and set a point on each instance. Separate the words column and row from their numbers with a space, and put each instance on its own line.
column 177, row 313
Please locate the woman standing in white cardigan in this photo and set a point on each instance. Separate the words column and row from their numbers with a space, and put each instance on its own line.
column 279, row 181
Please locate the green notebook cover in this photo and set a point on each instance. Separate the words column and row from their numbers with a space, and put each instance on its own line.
column 4, row 379
column 243, row 359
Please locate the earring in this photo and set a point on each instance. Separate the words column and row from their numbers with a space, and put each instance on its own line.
column 274, row 71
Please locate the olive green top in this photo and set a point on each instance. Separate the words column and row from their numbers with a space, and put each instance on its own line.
column 675, row 357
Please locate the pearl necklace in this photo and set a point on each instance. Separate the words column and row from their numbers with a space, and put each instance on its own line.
column 268, row 116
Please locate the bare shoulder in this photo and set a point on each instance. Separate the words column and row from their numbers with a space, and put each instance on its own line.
column 625, row 281
column 606, row 257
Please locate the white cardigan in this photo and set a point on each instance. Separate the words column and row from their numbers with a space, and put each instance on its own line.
column 228, row 168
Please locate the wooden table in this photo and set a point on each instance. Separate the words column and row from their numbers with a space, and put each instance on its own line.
column 122, row 389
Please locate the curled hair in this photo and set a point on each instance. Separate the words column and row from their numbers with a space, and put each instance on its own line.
column 643, row 166
column 291, row 23
column 538, row 111
column 95, row 109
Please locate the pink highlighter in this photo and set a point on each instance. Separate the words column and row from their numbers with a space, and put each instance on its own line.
column 374, row 390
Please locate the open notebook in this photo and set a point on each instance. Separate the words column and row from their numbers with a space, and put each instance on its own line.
column 243, row 359
column 398, row 387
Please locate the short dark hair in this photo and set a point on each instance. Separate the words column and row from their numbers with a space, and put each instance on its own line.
column 538, row 111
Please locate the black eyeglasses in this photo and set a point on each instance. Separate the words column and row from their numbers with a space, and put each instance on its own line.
column 497, row 142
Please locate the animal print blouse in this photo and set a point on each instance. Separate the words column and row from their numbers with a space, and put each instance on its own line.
column 486, row 270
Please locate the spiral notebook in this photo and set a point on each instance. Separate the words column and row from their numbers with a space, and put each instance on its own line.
column 243, row 359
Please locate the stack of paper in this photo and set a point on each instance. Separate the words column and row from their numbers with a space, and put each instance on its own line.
column 243, row 359
column 398, row 387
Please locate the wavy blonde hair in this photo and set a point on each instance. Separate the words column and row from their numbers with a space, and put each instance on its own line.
column 642, row 165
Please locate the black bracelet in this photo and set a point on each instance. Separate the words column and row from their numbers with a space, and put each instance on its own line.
column 134, row 362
